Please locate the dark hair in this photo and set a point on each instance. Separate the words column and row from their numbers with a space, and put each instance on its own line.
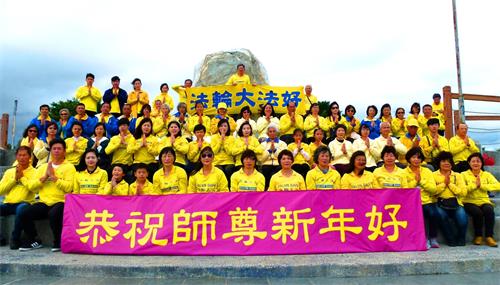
column 166, row 150
column 178, row 125
column 115, row 78
column 123, row 121
column 82, row 165
column 136, row 79
column 25, row 133
column 141, row 165
column 397, row 109
column 388, row 149
column 145, row 106
column 248, row 154
column 44, row 105
column 24, row 147
column 374, row 107
column 329, row 112
column 180, row 105
column 138, row 130
column 80, row 104
column 442, row 156
column 478, row 155
column 340, row 126
column 426, row 105
column 272, row 110
column 122, row 166
column 197, row 103
column 188, row 80
column 89, row 75
column 349, row 107
column 163, row 84
column 414, row 105
column 364, row 127
column 76, row 123
column 318, row 129
column 222, row 121
column 199, row 127
column 313, row 105
column 298, row 131
column 386, row 105
column 103, row 126
column 198, row 165
column 436, row 95
column 413, row 151
column 283, row 153
column 240, row 131
column 320, row 150
column 241, row 64
column 246, row 108
column 353, row 159
column 106, row 103
column 57, row 141
column 433, row 121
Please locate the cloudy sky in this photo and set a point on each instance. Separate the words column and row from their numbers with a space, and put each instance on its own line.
column 354, row 52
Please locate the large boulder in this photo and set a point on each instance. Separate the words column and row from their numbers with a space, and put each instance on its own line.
column 217, row 67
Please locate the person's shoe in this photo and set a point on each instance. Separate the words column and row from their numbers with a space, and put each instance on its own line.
column 55, row 249
column 478, row 240
column 31, row 245
column 428, row 244
column 434, row 243
column 452, row 244
column 15, row 244
column 490, row 241
column 3, row 242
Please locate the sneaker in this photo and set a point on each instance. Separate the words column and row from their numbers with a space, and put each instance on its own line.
column 30, row 246
column 428, row 244
column 434, row 243
column 490, row 241
column 15, row 244
column 55, row 249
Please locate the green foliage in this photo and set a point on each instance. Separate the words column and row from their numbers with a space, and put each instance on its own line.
column 56, row 106
column 323, row 108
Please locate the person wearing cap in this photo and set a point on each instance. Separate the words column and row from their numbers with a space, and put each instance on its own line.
column 411, row 139
column 462, row 146
column 239, row 78
column 115, row 96
column 89, row 95
column 385, row 139
column 221, row 114
column 433, row 143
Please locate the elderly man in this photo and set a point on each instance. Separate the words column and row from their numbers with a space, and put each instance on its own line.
column 272, row 146
column 309, row 97
column 461, row 146
column 385, row 139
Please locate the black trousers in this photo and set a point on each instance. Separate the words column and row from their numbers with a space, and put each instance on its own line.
column 481, row 215
column 461, row 166
column 268, row 171
column 40, row 211
column 302, row 169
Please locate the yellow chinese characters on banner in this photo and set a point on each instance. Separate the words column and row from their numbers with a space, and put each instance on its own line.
column 237, row 97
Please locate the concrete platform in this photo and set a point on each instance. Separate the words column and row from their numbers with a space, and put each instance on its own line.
column 444, row 260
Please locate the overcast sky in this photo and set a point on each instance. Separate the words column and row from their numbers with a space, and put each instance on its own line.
column 354, row 52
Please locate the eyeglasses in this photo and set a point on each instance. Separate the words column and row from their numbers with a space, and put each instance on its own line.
column 335, row 107
column 63, row 114
column 400, row 113
column 207, row 155
column 350, row 110
column 32, row 131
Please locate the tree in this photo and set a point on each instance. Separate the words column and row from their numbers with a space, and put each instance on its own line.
column 323, row 108
column 56, row 106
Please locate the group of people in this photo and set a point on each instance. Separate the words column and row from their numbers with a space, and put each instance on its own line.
column 133, row 148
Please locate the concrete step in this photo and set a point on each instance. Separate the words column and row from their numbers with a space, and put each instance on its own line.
column 495, row 170
column 444, row 260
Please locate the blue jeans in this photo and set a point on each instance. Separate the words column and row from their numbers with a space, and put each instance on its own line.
column 460, row 218
column 8, row 209
column 431, row 217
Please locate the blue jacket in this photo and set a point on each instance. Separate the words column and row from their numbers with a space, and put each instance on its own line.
column 375, row 130
column 88, row 126
column 42, row 130
column 122, row 97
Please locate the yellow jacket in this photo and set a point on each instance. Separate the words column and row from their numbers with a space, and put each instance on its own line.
column 121, row 189
column 332, row 125
column 280, row 182
column 479, row 196
column 397, row 129
column 239, row 80
column 460, row 150
column 408, row 143
column 119, row 150
column 386, row 179
column 223, row 150
column 137, row 99
column 241, row 182
column 90, row 99
column 352, row 126
column 90, row 183
column 17, row 191
column 268, row 157
column 456, row 187
column 365, row 181
column 430, row 152
column 157, row 122
column 239, row 147
column 215, row 181
column 263, row 124
column 422, row 123
column 174, row 183
column 73, row 153
column 51, row 192
column 310, row 125
column 370, row 152
column 302, row 156
column 194, row 120
column 182, row 93
column 317, row 180
column 149, row 189
column 181, row 148
column 308, row 101
column 215, row 120
column 286, row 125
column 194, row 150
column 427, row 185
column 145, row 154
column 165, row 98
column 41, row 152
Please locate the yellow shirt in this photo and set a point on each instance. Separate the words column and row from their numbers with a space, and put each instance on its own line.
column 194, row 120
column 51, row 192
column 479, row 196
column 182, row 93
column 89, row 97
column 263, row 124
column 194, row 150
column 352, row 126
column 312, row 148
column 121, row 189
column 174, row 183
column 239, row 147
column 17, row 191
column 333, row 125
column 395, row 179
column 119, row 150
column 456, row 187
column 365, row 181
column 90, row 183
column 223, row 150
column 427, row 184
column 408, row 143
column 213, row 124
column 241, row 182
column 145, row 154
column 460, row 150
column 317, row 180
column 215, row 181
column 302, row 156
column 308, row 101
column 149, row 189
column 41, row 152
column 239, row 80
column 397, row 129
column 310, row 125
column 430, row 152
column 115, row 104
column 165, row 98
column 74, row 152
column 280, row 182
column 286, row 125
column 181, row 148
column 370, row 152
column 137, row 99
column 422, row 123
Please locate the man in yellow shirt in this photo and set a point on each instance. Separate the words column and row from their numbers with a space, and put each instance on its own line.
column 182, row 90
column 89, row 95
column 461, row 146
column 52, row 181
column 438, row 109
column 18, row 196
column 239, row 78
column 309, row 97
column 289, row 122
column 432, row 144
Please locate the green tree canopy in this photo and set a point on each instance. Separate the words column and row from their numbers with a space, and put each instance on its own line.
column 56, row 106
